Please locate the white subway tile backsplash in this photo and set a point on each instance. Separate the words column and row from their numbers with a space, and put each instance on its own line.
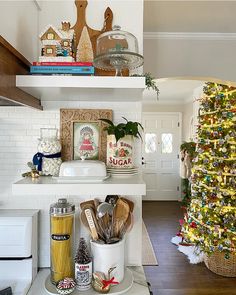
column 19, row 133
column 7, row 143
column 12, row 131
column 35, row 132
column 4, row 138
column 20, row 138
column 16, row 149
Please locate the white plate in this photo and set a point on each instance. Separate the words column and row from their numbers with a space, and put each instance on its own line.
column 123, row 172
column 123, row 287
column 122, row 169
column 80, row 179
column 124, row 175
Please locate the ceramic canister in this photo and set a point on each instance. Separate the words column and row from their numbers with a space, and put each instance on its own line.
column 106, row 256
column 120, row 153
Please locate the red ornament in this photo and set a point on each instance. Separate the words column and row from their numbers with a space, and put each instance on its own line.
column 181, row 221
column 193, row 224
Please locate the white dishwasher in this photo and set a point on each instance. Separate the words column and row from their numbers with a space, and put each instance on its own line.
column 18, row 250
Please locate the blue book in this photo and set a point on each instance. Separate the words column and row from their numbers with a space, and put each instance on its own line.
column 62, row 70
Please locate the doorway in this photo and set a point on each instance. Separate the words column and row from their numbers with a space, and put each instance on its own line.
column 160, row 155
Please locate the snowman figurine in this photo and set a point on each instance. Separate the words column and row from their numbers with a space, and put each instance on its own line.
column 48, row 158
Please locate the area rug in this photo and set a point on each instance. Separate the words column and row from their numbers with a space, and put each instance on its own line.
column 148, row 254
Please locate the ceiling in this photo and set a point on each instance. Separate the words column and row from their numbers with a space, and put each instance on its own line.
column 172, row 91
column 190, row 17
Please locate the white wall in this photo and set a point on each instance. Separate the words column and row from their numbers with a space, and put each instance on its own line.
column 127, row 14
column 187, row 116
column 19, row 26
column 196, row 58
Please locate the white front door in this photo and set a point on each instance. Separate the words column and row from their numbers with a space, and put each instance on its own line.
column 160, row 155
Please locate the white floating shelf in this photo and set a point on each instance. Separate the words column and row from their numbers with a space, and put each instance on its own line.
column 79, row 81
column 133, row 185
column 48, row 87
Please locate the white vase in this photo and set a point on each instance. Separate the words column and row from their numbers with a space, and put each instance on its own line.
column 120, row 153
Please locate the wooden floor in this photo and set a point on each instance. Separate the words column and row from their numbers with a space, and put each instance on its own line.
column 175, row 275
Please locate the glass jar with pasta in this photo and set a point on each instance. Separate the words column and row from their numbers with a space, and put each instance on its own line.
column 61, row 240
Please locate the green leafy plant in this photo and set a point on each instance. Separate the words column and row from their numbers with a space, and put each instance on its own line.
column 190, row 147
column 149, row 82
column 122, row 129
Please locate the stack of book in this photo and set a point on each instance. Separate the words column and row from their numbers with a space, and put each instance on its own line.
column 62, row 68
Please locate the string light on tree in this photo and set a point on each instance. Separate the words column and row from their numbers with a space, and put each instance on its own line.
column 210, row 221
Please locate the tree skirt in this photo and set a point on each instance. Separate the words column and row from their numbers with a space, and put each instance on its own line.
column 192, row 252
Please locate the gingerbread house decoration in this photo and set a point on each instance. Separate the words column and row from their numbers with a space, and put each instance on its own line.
column 57, row 42
column 68, row 35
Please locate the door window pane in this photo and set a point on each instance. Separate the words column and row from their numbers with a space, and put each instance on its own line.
column 166, row 143
column 150, row 143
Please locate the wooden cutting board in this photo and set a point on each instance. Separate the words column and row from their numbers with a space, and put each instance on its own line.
column 81, row 26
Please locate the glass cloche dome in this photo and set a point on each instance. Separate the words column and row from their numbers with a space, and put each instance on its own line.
column 117, row 50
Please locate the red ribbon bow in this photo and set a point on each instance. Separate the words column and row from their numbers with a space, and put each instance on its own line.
column 109, row 282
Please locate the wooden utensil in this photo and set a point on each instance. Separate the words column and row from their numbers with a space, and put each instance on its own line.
column 127, row 226
column 87, row 215
column 131, row 203
column 90, row 202
column 111, row 199
column 120, row 216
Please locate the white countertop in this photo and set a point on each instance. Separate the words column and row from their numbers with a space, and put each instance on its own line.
column 46, row 185
column 139, row 286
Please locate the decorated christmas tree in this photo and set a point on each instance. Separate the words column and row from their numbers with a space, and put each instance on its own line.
column 210, row 222
column 82, row 254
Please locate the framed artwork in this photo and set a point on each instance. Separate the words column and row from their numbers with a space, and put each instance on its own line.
column 82, row 134
column 86, row 140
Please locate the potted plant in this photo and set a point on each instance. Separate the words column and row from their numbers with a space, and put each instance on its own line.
column 149, row 82
column 120, row 142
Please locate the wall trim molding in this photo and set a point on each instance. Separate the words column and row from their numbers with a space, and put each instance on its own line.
column 38, row 4
column 201, row 36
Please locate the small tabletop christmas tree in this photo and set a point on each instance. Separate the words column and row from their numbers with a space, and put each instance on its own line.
column 210, row 222
column 82, row 254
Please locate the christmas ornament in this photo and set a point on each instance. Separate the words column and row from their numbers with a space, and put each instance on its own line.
column 227, row 256
column 224, row 149
column 102, row 283
column 65, row 286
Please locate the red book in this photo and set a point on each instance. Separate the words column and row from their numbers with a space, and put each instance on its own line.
column 77, row 64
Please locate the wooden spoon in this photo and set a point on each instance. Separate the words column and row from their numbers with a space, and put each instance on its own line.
column 120, row 216
column 89, row 220
column 127, row 226
column 131, row 203
column 90, row 202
